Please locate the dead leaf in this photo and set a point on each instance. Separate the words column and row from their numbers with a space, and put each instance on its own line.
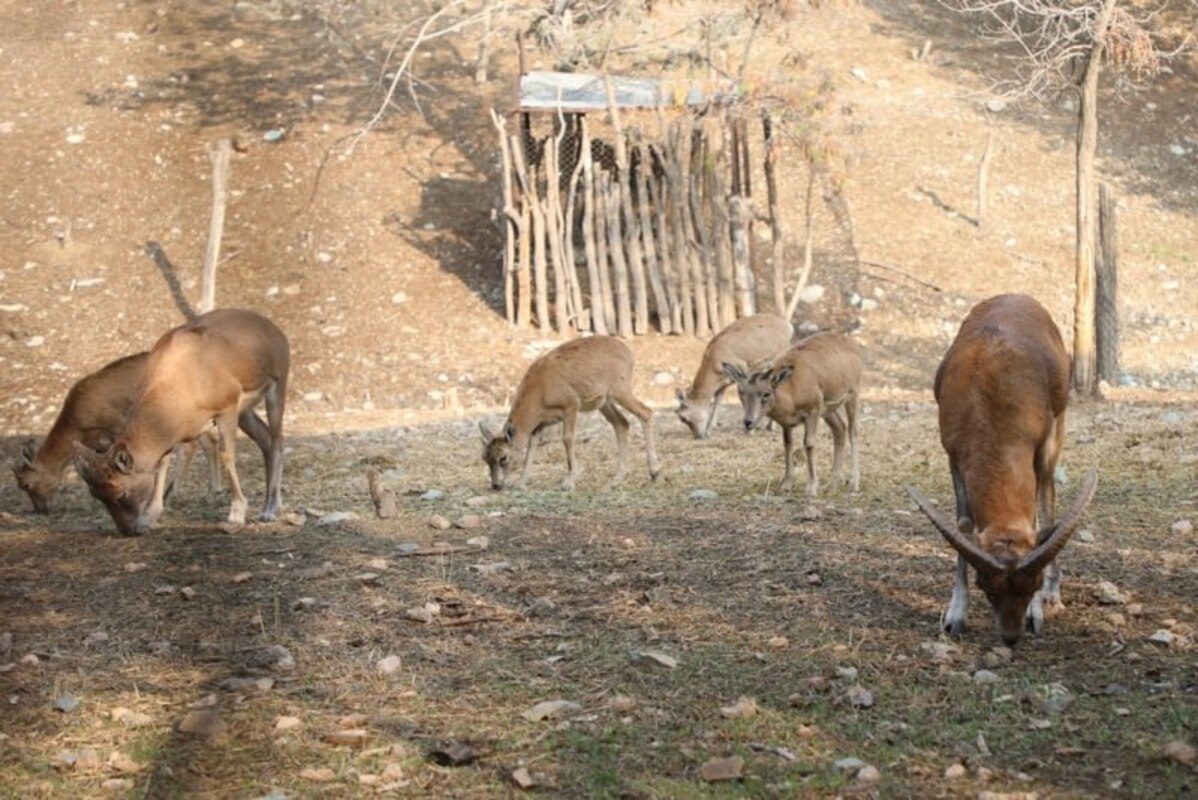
column 206, row 724
column 654, row 657
column 723, row 769
column 1181, row 752
column 318, row 774
column 287, row 723
column 523, row 778
column 352, row 737
column 242, row 577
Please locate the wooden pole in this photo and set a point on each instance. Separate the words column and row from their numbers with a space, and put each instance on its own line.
column 1108, row 287
column 717, row 196
column 605, row 267
column 983, row 181
column 615, row 249
column 629, row 221
column 582, row 321
column 658, row 198
column 553, row 213
column 643, row 177
column 706, row 301
column 771, row 193
column 524, row 245
column 807, row 246
column 679, row 240
column 511, row 222
column 219, row 156
column 589, row 200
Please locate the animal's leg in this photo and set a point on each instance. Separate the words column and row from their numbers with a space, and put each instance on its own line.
column 1047, row 601
column 210, row 443
column 851, row 408
column 186, row 451
column 958, row 604
column 642, row 412
column 262, row 435
column 810, row 426
column 569, row 423
column 832, row 417
column 527, row 466
column 715, row 406
column 161, row 478
column 226, row 425
column 788, row 449
column 619, row 424
column 964, row 514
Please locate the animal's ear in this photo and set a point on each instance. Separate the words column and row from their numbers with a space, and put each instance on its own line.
column 486, row 432
column 28, row 452
column 733, row 372
column 122, row 459
column 780, row 376
column 509, row 432
column 85, row 462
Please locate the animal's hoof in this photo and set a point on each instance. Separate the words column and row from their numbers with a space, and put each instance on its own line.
column 653, row 475
column 1035, row 623
column 955, row 628
column 812, row 489
column 268, row 516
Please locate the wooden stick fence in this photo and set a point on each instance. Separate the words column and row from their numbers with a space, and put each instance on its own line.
column 639, row 232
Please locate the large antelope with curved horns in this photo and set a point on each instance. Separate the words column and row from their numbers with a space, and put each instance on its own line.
column 1001, row 390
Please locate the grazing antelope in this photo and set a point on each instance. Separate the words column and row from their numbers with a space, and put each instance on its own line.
column 594, row 373
column 746, row 344
column 92, row 414
column 213, row 369
column 810, row 381
column 1002, row 389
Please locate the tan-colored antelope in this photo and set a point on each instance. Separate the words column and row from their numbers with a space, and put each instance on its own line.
column 92, row 414
column 589, row 374
column 213, row 369
column 1002, row 389
column 811, row 381
column 746, row 344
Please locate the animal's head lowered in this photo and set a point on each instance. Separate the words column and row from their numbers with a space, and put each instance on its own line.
column 34, row 479
column 1010, row 564
column 498, row 450
column 693, row 415
column 114, row 479
column 757, row 391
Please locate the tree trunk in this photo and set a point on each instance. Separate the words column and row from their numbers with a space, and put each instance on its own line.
column 1108, row 288
column 220, row 176
column 1084, row 355
column 581, row 320
column 771, row 193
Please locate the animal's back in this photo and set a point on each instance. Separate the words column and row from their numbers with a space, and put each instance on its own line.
column 246, row 344
column 831, row 360
column 590, row 366
column 103, row 398
column 1006, row 371
column 750, row 340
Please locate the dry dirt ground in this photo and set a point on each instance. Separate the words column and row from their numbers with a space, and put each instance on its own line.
column 384, row 273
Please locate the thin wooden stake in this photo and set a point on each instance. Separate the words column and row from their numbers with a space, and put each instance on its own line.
column 589, row 200
column 219, row 156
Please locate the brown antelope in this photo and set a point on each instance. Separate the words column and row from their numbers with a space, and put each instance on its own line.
column 747, row 343
column 809, row 382
column 1002, row 389
column 92, row 414
column 594, row 373
column 212, row 369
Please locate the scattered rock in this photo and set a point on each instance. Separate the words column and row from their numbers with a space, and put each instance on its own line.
column 492, row 568
column 419, row 614
column 860, row 697
column 1108, row 594
column 205, row 724
column 810, row 514
column 850, row 764
column 123, row 763
column 985, row 676
column 523, row 778
column 859, row 73
column 439, row 522
column 5, row 643
column 1163, row 637
column 1086, row 536
column 481, row 542
column 997, row 656
column 131, row 718
column 939, row 652
column 457, row 754
column 653, row 657
column 367, row 578
column 280, row 658
column 247, row 684
column 389, row 665
column 30, row 660
column 318, row 774
column 778, row 642
column 954, row 772
column 350, row 737
column 287, row 723
column 1181, row 752
column 66, row 703
column 663, row 379
column 1135, row 609
column 468, row 522
column 336, row 518
column 433, row 494
column 722, row 769
column 1183, row 527
column 811, row 294
column 550, row 709
column 135, row 566
column 187, row 593
column 869, row 774
column 744, row 708
column 621, row 703
column 847, row 673
column 1057, row 698
column 399, row 298
column 704, row 494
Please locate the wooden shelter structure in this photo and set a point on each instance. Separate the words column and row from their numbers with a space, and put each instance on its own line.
column 622, row 228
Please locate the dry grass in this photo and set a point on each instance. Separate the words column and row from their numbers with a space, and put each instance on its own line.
column 595, row 575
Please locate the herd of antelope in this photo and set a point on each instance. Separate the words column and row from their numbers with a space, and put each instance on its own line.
column 1001, row 390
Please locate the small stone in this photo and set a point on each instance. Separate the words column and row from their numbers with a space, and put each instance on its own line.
column 313, row 397
column 622, row 703
column 1116, row 620
column 123, row 763
column 550, row 709
column 985, row 676
column 30, row 660
column 281, row 658
column 433, row 494
column 399, row 298
column 419, row 615
column 131, row 718
column 542, row 607
column 389, row 665
column 523, row 778
column 996, row 105
column 653, row 657
column 242, row 577
column 439, row 522
column 869, row 774
column 1086, row 536
column 778, row 642
column 1183, row 527
column 722, row 769
column 860, row 74
column 117, row 785
column 187, row 593
column 5, row 643
column 954, row 772
column 479, row 542
column 663, row 379
column 1135, row 610
column 1163, row 637
column 368, row 578
column 1181, row 752
column 336, row 518
column 810, row 514
column 468, row 522
column 850, row 764
column 811, row 294
column 66, row 703
column 744, row 708
column 205, row 724
column 860, row 697
column 847, row 673
column 287, row 723
column 939, row 652
column 303, row 604
column 318, row 774
column 1108, row 594
column 704, row 494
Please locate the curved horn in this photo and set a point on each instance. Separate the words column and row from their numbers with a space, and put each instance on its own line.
column 978, row 558
column 1059, row 534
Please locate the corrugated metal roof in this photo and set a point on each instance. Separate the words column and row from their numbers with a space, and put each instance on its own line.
column 575, row 92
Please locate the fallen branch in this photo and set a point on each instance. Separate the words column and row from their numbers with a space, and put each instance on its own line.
column 900, row 271
column 439, row 551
